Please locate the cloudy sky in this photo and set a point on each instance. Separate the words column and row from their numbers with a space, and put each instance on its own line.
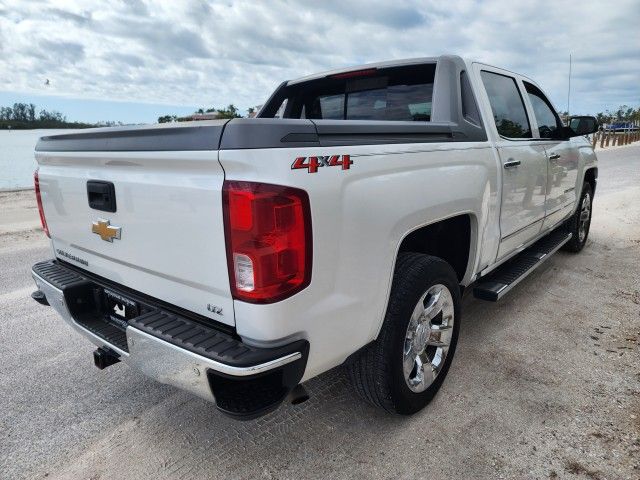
column 133, row 60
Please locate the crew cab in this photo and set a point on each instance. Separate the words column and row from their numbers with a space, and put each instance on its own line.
column 237, row 259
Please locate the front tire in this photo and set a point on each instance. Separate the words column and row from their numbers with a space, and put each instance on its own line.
column 404, row 368
column 580, row 222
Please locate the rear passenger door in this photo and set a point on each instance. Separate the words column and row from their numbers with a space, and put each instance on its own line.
column 562, row 160
column 524, row 163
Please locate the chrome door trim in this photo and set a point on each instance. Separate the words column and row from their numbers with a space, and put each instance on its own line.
column 507, row 237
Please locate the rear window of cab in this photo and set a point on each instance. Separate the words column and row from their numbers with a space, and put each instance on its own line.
column 398, row 93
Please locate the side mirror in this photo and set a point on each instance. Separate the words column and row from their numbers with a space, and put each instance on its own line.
column 582, row 125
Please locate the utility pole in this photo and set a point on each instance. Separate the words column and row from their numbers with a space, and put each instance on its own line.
column 569, row 91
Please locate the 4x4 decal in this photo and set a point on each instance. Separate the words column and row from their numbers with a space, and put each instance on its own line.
column 311, row 164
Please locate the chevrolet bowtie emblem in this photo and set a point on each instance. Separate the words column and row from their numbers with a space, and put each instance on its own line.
column 106, row 231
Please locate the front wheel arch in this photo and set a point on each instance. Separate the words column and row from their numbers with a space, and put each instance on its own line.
column 591, row 177
column 575, row 224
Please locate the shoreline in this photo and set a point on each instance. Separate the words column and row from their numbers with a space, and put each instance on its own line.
column 15, row 189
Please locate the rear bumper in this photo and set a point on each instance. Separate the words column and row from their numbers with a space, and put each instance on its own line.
column 243, row 381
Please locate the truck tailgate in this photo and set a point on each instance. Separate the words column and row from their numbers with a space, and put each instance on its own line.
column 166, row 237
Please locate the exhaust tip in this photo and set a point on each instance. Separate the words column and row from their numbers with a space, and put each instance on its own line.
column 298, row 395
column 40, row 297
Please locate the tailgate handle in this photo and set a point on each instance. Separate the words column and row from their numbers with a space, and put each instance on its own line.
column 102, row 195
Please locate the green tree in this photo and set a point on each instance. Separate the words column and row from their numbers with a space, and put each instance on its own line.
column 230, row 112
column 24, row 116
column 620, row 112
column 602, row 118
column 31, row 112
column 20, row 112
column 52, row 116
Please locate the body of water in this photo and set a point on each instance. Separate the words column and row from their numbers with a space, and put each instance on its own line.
column 17, row 161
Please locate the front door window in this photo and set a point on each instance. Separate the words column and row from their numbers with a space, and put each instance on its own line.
column 549, row 124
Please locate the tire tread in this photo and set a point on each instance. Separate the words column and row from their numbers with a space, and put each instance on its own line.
column 371, row 369
column 574, row 245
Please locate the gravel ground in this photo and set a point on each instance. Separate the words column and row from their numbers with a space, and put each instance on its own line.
column 545, row 384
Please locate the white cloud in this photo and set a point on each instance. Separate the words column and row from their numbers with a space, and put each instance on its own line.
column 215, row 53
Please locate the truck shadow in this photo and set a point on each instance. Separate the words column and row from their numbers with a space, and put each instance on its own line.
column 182, row 435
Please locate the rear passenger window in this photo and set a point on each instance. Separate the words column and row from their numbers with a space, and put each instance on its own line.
column 507, row 105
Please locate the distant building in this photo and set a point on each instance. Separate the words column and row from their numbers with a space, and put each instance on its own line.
column 204, row 116
column 255, row 111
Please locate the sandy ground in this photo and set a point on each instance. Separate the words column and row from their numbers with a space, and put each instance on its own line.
column 18, row 212
column 545, row 383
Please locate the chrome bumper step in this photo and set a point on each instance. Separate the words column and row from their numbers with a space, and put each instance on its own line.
column 173, row 348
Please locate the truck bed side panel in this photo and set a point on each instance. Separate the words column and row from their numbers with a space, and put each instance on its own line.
column 359, row 218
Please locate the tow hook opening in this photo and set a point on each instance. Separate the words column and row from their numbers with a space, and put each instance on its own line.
column 40, row 297
column 104, row 358
column 298, row 395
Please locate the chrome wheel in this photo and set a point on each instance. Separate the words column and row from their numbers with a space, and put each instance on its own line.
column 428, row 337
column 585, row 217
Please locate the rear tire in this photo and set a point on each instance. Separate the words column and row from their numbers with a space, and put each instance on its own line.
column 580, row 222
column 404, row 368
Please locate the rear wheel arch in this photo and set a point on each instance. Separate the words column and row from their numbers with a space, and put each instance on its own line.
column 461, row 227
column 379, row 370
column 452, row 239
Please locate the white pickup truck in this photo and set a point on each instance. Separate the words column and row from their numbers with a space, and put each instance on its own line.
column 238, row 258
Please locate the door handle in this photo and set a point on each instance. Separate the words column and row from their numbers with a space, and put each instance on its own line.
column 555, row 156
column 511, row 164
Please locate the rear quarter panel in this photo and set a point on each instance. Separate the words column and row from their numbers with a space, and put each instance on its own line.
column 359, row 218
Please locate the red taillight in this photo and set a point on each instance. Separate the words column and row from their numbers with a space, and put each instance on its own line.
column 355, row 73
column 36, row 183
column 268, row 232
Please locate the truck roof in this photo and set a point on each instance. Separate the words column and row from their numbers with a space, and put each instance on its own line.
column 389, row 63
column 392, row 63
